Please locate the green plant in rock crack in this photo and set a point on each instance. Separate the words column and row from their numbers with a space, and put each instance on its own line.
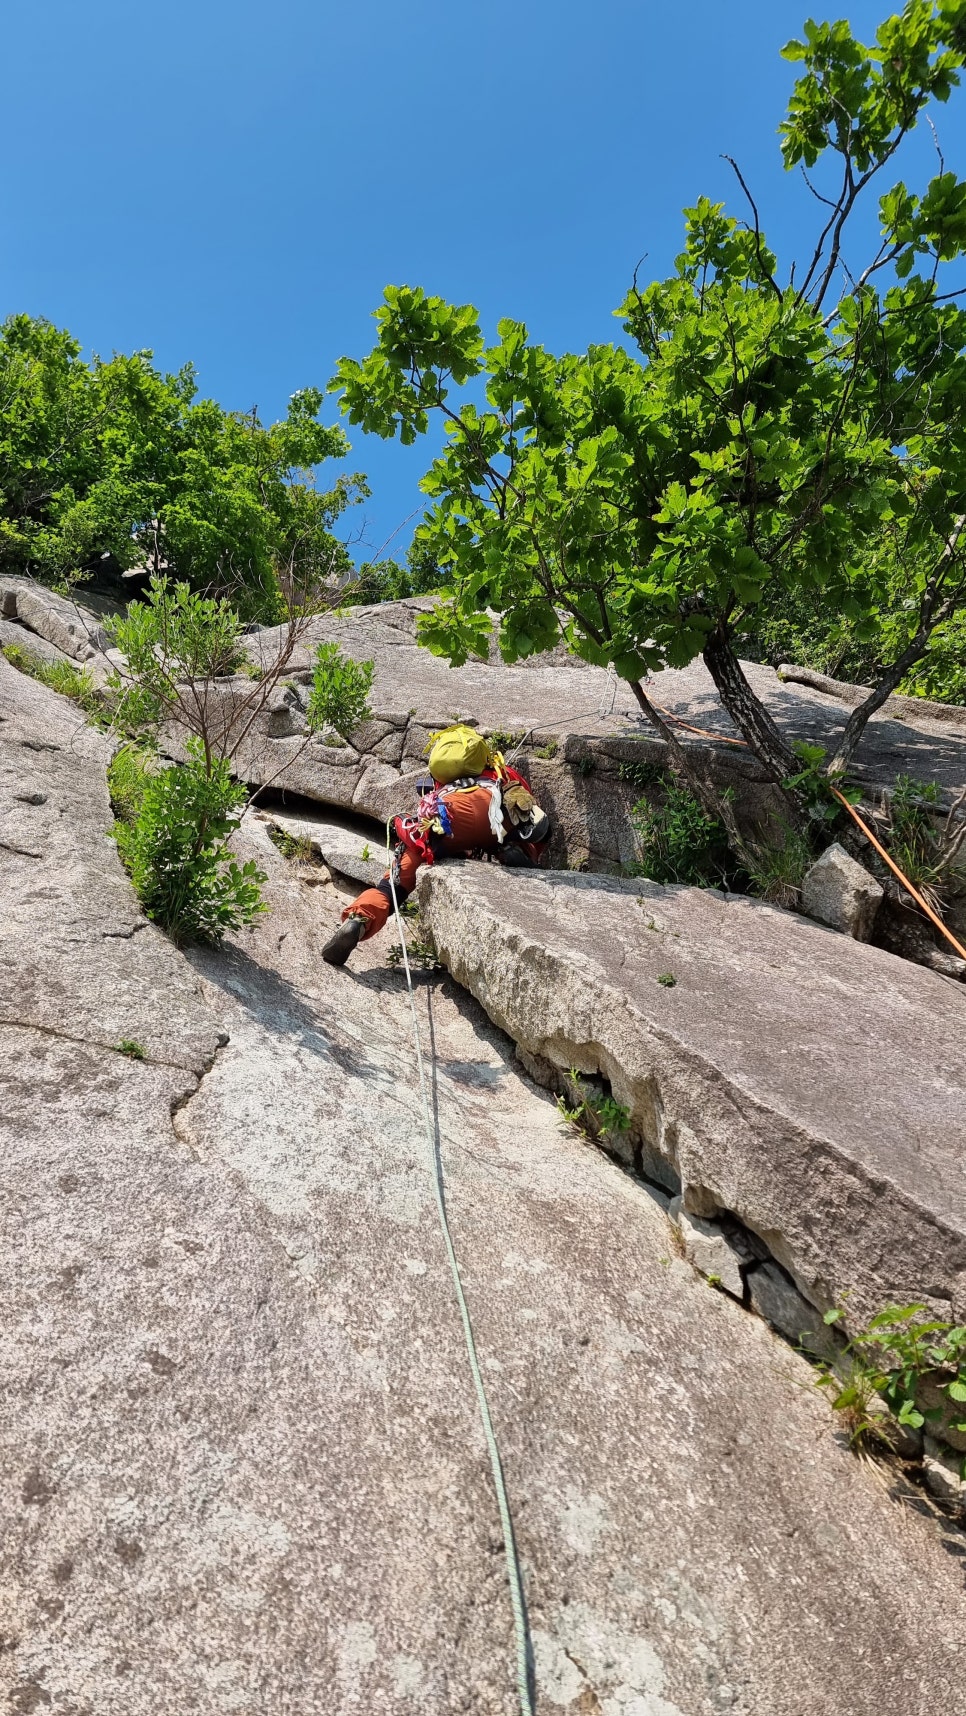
column 814, row 785
column 678, row 841
column 129, row 1046
column 889, row 1359
column 598, row 1114
column 928, row 849
column 504, row 740
column 297, row 847
column 421, row 951
column 64, row 677
column 174, row 845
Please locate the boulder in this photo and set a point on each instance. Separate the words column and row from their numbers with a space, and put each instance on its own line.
column 841, row 893
column 241, row 1466
column 812, row 1086
column 68, row 625
column 12, row 632
column 708, row 1250
column 943, row 1475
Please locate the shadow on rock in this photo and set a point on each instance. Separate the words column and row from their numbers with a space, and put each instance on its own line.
column 276, row 1004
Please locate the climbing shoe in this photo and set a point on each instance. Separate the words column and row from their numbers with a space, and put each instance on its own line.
column 513, row 857
column 347, row 937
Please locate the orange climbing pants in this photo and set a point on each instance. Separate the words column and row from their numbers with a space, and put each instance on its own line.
column 468, row 811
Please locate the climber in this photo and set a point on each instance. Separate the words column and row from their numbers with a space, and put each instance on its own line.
column 474, row 802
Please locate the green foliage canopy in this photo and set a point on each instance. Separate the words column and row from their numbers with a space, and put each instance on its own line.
column 388, row 581
column 760, row 442
column 115, row 457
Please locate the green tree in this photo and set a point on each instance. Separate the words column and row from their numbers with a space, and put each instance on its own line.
column 115, row 457
column 388, row 581
column 803, row 437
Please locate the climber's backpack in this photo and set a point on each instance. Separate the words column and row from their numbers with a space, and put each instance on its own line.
column 457, row 752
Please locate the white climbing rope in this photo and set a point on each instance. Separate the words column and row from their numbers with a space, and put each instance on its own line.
column 521, row 1634
column 601, row 713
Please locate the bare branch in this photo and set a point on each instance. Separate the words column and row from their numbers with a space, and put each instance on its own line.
column 766, row 272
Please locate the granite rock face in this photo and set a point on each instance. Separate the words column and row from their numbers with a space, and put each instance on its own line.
column 813, row 1087
column 66, row 624
column 240, row 1463
column 582, row 741
column 841, row 893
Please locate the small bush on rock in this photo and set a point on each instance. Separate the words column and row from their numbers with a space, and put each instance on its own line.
column 340, row 690
column 679, row 842
column 174, row 844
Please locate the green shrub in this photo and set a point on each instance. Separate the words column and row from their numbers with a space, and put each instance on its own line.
column 175, row 845
column 927, row 850
column 890, row 1358
column 340, row 691
column 678, row 841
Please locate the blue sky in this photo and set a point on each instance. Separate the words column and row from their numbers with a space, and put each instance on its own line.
column 235, row 183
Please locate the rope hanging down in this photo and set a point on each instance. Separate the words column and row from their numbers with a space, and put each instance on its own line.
column 524, row 1668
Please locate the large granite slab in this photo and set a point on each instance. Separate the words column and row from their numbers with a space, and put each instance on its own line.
column 813, row 1086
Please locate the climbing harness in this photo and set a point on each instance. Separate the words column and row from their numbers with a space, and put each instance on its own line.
column 521, row 1632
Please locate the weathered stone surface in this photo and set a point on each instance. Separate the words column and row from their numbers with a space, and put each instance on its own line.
column 586, row 744
column 708, row 1250
column 942, row 1472
column 814, row 1087
column 240, row 1463
column 12, row 632
column 338, row 846
column 775, row 1297
column 66, row 624
column 842, row 893
column 916, row 709
column 80, row 961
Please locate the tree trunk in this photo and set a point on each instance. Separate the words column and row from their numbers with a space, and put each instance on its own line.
column 746, row 710
column 713, row 803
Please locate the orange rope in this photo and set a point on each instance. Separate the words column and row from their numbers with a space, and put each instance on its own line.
column 702, row 732
column 866, row 830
